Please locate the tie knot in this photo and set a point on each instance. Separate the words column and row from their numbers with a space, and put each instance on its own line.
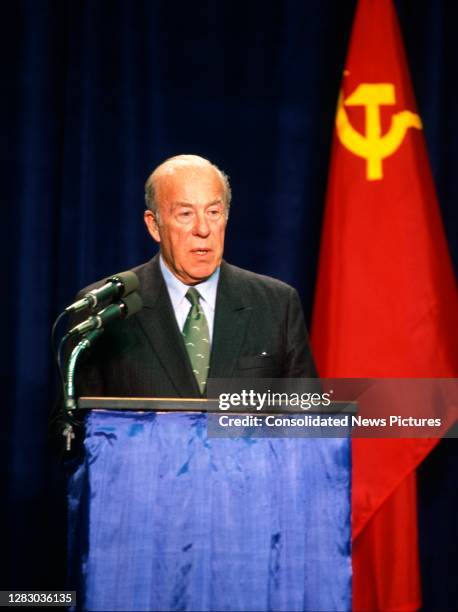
column 193, row 296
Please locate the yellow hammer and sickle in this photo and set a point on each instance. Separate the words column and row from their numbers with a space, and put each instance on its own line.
column 373, row 147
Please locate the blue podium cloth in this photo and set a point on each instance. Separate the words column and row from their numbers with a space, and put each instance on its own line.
column 162, row 517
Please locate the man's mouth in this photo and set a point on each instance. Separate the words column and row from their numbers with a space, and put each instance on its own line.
column 200, row 251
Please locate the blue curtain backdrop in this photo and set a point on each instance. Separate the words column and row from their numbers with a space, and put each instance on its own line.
column 94, row 94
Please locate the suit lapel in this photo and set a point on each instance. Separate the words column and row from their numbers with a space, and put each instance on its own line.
column 159, row 324
column 232, row 313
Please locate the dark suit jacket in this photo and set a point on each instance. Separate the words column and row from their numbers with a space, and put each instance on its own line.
column 259, row 332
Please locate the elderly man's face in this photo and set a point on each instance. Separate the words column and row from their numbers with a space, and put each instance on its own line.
column 192, row 222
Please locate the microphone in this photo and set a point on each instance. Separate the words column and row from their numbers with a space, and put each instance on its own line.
column 120, row 310
column 115, row 287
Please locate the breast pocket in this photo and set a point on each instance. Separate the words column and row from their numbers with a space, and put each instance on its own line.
column 259, row 365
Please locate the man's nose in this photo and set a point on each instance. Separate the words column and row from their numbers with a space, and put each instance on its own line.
column 201, row 225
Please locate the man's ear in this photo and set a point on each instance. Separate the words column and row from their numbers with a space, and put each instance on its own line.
column 151, row 225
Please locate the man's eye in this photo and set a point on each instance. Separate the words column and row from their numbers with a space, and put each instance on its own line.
column 214, row 213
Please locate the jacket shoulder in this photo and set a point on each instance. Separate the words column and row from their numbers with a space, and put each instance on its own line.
column 143, row 271
column 256, row 281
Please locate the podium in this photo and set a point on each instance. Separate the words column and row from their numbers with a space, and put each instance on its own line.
column 163, row 517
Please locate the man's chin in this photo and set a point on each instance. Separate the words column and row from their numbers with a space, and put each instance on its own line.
column 199, row 274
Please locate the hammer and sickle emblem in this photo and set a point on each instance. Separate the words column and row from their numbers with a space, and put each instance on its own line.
column 373, row 147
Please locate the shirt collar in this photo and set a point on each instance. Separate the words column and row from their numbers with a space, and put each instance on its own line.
column 177, row 289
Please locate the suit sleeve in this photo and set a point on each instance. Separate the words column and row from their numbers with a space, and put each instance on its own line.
column 299, row 361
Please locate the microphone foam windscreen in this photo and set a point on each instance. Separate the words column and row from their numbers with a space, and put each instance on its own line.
column 129, row 281
column 133, row 303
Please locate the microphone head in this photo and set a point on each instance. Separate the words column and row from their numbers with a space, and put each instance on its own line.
column 133, row 303
column 128, row 280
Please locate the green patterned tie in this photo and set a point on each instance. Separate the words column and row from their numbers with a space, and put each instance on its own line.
column 197, row 339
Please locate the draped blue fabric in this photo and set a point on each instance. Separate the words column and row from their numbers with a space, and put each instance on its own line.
column 178, row 521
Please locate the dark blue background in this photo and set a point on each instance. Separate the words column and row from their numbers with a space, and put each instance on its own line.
column 94, row 94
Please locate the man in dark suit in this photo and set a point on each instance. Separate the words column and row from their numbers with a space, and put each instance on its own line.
column 202, row 318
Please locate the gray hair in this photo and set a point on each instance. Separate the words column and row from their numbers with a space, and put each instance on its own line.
column 180, row 161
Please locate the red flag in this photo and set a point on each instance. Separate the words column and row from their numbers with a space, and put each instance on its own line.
column 386, row 299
